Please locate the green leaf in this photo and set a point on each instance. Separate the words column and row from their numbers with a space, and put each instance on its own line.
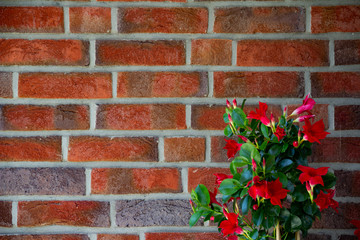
column 229, row 186
column 195, row 218
column 272, row 210
column 239, row 117
column 275, row 149
column 284, row 214
column 257, row 217
column 244, row 192
column 329, row 180
column 283, row 179
column 310, row 208
column 226, row 118
column 300, row 193
column 295, row 223
column 306, row 222
column 194, row 196
column 245, row 204
column 254, row 234
column 203, row 195
column 241, row 161
column 233, row 168
column 285, row 165
column 256, row 155
column 268, row 222
column 227, row 131
column 285, row 146
column 246, row 176
column 263, row 145
column 246, row 150
column 265, row 131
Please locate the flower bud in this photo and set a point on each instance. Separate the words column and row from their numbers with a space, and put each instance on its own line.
column 264, row 163
column 308, row 187
column 212, row 218
column 253, row 165
column 295, row 144
column 228, row 103
column 234, row 103
column 230, row 119
column 272, row 119
column 243, row 138
column 299, row 134
column 255, row 207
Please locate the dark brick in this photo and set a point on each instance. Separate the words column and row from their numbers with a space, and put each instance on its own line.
column 139, row 213
column 184, row 236
column 348, row 237
column 346, row 182
column 347, row 52
column 5, row 214
column 316, row 237
column 42, row 181
column 347, row 117
column 218, row 153
column 45, row 237
column 5, row 85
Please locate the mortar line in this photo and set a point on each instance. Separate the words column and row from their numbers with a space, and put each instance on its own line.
column 15, row 84
column 142, row 236
column 307, row 83
column 332, row 53
column 188, row 116
column 14, row 213
column 188, row 51
column 308, row 19
column 184, row 179
column 211, row 84
column 114, row 77
column 65, row 148
column 113, row 214
column 233, row 53
column 211, row 20
column 66, row 20
column 114, row 20
column 161, row 149
column 88, row 181
column 93, row 110
column 92, row 53
column 92, row 236
column 207, row 149
column 331, row 117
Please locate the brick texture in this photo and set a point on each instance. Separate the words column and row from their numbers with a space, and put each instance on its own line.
column 5, row 85
column 259, row 20
column 184, row 149
column 32, row 19
column 317, row 237
column 126, row 180
column 45, row 237
column 44, row 52
column 42, row 181
column 74, row 213
column 258, row 84
column 162, row 84
column 139, row 53
column 5, row 214
column 346, row 117
column 204, row 176
column 141, row 117
column 90, row 20
column 346, row 180
column 218, row 153
column 117, row 237
column 60, row 85
column 347, row 52
column 211, row 52
column 83, row 149
column 184, row 236
column 283, row 53
column 162, row 20
column 30, row 149
column 320, row 111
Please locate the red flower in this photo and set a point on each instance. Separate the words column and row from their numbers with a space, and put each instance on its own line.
column 312, row 175
column 307, row 105
column 326, row 200
column 231, row 225
column 275, row 192
column 302, row 118
column 260, row 114
column 232, row 147
column 221, row 177
column 213, row 197
column 356, row 223
column 315, row 132
column 258, row 189
column 279, row 133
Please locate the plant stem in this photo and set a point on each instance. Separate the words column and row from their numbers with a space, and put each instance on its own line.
column 297, row 235
column 278, row 235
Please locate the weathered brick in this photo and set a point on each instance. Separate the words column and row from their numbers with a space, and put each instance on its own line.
column 135, row 180
column 45, row 237
column 83, row 149
column 72, row 213
column 218, row 153
column 320, row 111
column 117, row 237
column 332, row 220
column 162, row 84
column 184, row 236
column 32, row 19
column 335, row 84
column 347, row 117
column 162, row 20
column 44, row 52
column 30, row 149
column 348, row 237
column 184, row 149
column 258, row 84
column 317, row 237
column 90, row 20
column 283, row 53
column 32, row 117
column 42, row 181
column 346, row 182
column 211, row 52
column 5, row 85
column 5, row 214
column 139, row 213
column 110, row 52
column 65, row 85
column 141, row 117
column 335, row 19
column 344, row 150
column 347, row 52
column 259, row 20
column 204, row 176
column 140, row 0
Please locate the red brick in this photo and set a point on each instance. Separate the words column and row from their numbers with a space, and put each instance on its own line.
column 259, row 20
column 83, row 149
column 141, row 117
column 184, row 236
column 335, row 19
column 204, row 176
column 5, row 85
column 348, row 237
column 72, row 213
column 135, row 180
column 32, row 19
column 43, row 52
column 162, row 20
column 211, row 52
column 218, row 153
column 90, row 20
column 141, row 0
column 343, row 150
column 347, row 52
column 5, row 214
column 45, row 237
column 32, row 117
column 117, row 237
column 335, row 84
column 332, row 220
column 140, row 53
column 65, row 85
column 162, row 84
column 320, row 111
column 346, row 182
column 30, row 149
column 283, row 53
column 258, row 84
column 184, row 149
column 317, row 237
column 347, row 117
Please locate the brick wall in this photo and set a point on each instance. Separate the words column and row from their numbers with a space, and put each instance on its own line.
column 111, row 111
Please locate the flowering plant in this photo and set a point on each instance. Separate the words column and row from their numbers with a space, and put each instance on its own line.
column 271, row 192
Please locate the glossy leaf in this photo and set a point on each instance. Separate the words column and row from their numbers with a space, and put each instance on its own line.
column 246, row 176
column 229, row 186
column 246, row 150
column 257, row 217
column 256, row 155
column 265, row 131
column 227, row 131
column 245, row 204
column 195, row 218
column 285, row 164
column 275, row 149
column 329, row 180
column 203, row 195
column 239, row 117
column 300, row 193
column 254, row 234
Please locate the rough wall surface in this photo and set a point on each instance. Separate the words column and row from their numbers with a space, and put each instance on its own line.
column 111, row 111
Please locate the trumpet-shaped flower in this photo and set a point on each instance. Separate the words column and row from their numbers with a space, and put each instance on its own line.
column 275, row 192
column 232, row 147
column 326, row 200
column 315, row 132
column 221, row 177
column 260, row 114
column 258, row 189
column 312, row 175
column 231, row 224
column 308, row 104
column 279, row 133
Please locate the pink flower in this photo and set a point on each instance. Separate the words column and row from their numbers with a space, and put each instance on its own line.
column 315, row 132
column 228, row 104
column 232, row 147
column 326, row 200
column 312, row 175
column 302, row 118
column 253, row 165
column 279, row 133
column 260, row 114
column 221, row 177
column 243, row 138
column 307, row 105
column 231, row 224
column 234, row 103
